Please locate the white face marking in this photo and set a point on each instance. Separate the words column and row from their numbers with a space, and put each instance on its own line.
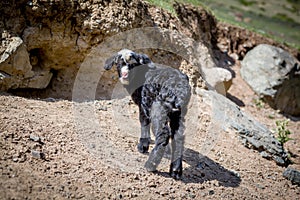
column 124, row 71
column 124, row 75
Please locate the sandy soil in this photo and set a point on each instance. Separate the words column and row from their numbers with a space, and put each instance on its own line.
column 58, row 149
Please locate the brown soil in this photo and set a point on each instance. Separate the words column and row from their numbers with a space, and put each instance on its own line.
column 52, row 148
column 46, row 153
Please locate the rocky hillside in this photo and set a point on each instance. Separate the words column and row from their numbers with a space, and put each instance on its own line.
column 43, row 43
column 51, row 39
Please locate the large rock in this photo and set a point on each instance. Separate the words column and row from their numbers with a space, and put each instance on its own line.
column 15, row 59
column 293, row 175
column 274, row 74
column 227, row 115
column 16, row 70
column 219, row 79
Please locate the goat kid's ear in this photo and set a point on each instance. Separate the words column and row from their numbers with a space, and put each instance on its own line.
column 109, row 63
column 145, row 60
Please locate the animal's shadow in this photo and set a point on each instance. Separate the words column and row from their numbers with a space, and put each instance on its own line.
column 201, row 169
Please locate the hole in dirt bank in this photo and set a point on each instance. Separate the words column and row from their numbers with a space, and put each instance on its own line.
column 35, row 56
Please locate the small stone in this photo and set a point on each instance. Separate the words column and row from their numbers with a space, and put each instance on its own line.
column 104, row 108
column 234, row 56
column 152, row 185
column 15, row 159
column 50, row 99
column 203, row 194
column 37, row 154
column 260, row 186
column 35, row 138
column 192, row 196
column 265, row 155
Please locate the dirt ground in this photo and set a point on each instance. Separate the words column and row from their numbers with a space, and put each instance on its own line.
column 51, row 150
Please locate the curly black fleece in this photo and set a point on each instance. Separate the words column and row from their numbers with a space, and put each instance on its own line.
column 162, row 95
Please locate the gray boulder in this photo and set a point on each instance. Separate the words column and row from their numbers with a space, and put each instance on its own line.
column 275, row 75
column 227, row 115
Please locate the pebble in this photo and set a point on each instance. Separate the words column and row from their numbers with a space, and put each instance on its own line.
column 260, row 186
column 104, row 108
column 192, row 196
column 15, row 159
column 50, row 99
column 34, row 138
column 37, row 154
column 264, row 154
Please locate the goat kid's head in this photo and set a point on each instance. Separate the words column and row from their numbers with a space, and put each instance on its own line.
column 126, row 60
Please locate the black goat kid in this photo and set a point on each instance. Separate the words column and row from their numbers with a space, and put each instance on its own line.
column 162, row 95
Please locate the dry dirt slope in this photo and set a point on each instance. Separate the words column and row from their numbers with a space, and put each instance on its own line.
column 46, row 155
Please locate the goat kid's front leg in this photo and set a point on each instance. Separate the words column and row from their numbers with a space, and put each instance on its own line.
column 145, row 138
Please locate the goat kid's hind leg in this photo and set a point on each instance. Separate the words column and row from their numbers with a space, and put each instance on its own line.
column 177, row 144
column 145, row 139
column 161, row 130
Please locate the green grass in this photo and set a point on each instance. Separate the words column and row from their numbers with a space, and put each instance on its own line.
column 168, row 4
column 247, row 3
column 276, row 19
column 165, row 4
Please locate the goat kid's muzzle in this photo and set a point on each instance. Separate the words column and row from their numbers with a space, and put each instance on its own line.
column 124, row 75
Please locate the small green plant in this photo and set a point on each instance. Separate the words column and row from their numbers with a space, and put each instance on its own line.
column 282, row 131
column 259, row 103
column 271, row 116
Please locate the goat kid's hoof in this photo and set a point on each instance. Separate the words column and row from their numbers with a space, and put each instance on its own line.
column 176, row 175
column 176, row 169
column 143, row 145
column 150, row 167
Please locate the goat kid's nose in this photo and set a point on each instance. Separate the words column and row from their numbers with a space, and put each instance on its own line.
column 124, row 74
